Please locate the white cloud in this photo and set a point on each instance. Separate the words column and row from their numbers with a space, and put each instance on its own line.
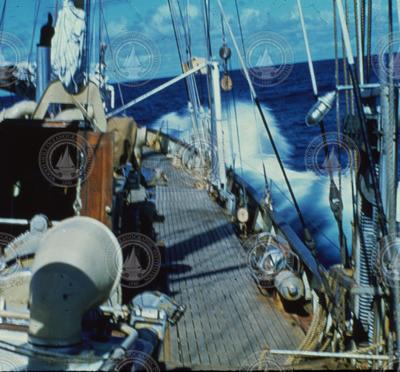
column 161, row 19
column 249, row 15
column 117, row 27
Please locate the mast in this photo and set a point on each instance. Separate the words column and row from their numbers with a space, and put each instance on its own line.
column 217, row 140
column 218, row 175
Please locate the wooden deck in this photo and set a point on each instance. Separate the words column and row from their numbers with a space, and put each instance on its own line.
column 227, row 320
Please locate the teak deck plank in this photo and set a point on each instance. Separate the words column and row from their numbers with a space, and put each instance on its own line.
column 227, row 319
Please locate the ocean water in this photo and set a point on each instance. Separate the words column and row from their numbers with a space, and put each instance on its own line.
column 285, row 106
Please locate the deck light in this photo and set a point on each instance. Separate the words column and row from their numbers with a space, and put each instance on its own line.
column 320, row 109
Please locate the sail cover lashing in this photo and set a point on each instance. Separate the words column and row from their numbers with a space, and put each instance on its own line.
column 67, row 46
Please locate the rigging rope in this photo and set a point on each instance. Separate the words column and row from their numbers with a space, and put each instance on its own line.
column 335, row 195
column 187, row 40
column 35, row 22
column 308, row 51
column 357, row 24
column 363, row 26
column 240, row 27
column 111, row 51
column 307, row 234
column 2, row 19
column 186, row 34
column 362, row 118
column 177, row 43
column 190, row 82
column 336, row 192
column 369, row 38
column 351, row 93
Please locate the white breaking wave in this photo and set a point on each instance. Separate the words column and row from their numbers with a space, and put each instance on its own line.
column 311, row 189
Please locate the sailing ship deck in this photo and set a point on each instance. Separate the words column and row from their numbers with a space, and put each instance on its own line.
column 227, row 321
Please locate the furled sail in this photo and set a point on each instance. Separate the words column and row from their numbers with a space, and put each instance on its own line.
column 67, row 46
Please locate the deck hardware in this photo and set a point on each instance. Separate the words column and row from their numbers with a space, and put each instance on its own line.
column 39, row 223
column 320, row 109
column 268, row 256
column 242, row 215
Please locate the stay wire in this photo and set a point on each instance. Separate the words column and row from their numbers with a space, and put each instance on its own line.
column 369, row 38
column 267, row 128
column 190, row 83
column 2, row 19
column 342, row 236
column 121, row 95
column 188, row 42
column 174, row 26
column 35, row 22
column 240, row 27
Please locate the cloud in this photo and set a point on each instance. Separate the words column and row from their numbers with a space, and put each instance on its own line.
column 117, row 27
column 250, row 15
column 161, row 19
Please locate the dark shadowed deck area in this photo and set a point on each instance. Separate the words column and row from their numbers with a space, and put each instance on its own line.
column 227, row 320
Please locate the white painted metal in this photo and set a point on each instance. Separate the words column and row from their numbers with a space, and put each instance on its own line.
column 345, row 32
column 217, row 136
column 156, row 90
column 308, row 51
column 359, row 45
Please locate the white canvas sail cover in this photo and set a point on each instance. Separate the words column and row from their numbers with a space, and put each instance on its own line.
column 67, row 46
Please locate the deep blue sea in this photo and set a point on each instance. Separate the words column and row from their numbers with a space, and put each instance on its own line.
column 286, row 106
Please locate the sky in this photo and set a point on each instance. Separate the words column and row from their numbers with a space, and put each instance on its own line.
column 272, row 22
